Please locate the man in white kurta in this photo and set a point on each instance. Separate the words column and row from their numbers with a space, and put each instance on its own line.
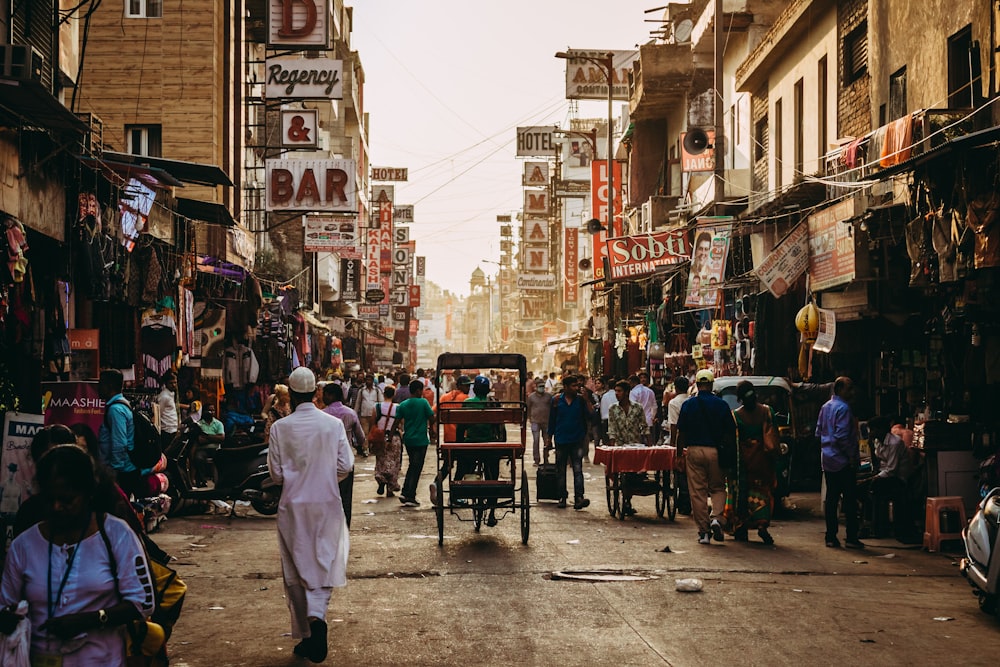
column 308, row 453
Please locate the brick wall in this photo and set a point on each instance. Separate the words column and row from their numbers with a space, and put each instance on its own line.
column 758, row 112
column 853, row 104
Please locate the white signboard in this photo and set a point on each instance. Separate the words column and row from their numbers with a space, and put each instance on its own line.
column 536, row 201
column 536, row 174
column 786, row 263
column 536, row 258
column 298, row 24
column 536, row 230
column 827, row 330
column 545, row 281
column 390, row 173
column 328, row 233
column 402, row 213
column 586, row 74
column 401, row 256
column 304, row 78
column 536, row 141
column 298, row 128
column 311, row 185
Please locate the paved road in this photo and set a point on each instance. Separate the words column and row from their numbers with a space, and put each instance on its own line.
column 487, row 599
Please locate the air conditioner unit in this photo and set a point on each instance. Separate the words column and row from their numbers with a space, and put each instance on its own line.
column 22, row 62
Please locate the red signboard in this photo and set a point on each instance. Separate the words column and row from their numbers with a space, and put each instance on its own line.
column 571, row 254
column 636, row 256
column 599, row 197
column 831, row 246
column 414, row 296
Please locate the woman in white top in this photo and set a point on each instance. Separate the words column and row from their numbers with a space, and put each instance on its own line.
column 66, row 570
column 389, row 458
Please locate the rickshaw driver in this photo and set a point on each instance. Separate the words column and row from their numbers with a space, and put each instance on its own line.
column 466, row 462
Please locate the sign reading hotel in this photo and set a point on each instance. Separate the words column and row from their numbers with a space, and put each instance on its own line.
column 637, row 256
column 831, row 246
column 588, row 80
column 536, row 141
column 786, row 263
column 303, row 78
column 311, row 185
column 402, row 213
column 390, row 173
column 298, row 24
column 298, row 128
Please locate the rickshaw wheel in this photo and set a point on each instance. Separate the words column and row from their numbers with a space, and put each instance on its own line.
column 662, row 493
column 477, row 516
column 673, row 493
column 610, row 491
column 439, row 508
column 620, row 496
column 525, row 507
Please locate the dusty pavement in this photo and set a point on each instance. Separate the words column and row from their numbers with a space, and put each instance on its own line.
column 487, row 599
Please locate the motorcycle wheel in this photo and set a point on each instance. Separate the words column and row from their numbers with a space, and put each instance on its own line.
column 266, row 504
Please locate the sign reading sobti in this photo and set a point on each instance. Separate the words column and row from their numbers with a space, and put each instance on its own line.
column 311, row 185
column 635, row 256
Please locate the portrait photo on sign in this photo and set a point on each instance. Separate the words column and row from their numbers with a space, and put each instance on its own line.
column 709, row 252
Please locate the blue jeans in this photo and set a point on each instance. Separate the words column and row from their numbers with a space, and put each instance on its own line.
column 539, row 432
column 573, row 453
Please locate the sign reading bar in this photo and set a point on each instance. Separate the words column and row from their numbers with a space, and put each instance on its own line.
column 390, row 173
column 304, row 79
column 635, row 256
column 311, row 185
column 298, row 24
column 786, row 263
column 536, row 141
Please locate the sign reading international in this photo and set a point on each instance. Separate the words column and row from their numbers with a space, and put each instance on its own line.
column 295, row 78
column 631, row 257
column 311, row 185
column 298, row 24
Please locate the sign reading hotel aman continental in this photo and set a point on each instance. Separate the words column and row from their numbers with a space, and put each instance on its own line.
column 298, row 24
column 587, row 80
column 637, row 256
column 831, row 246
column 311, row 185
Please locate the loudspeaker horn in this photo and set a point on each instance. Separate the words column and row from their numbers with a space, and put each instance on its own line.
column 584, row 264
column 696, row 141
column 594, row 226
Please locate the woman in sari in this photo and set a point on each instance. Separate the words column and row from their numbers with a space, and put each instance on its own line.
column 388, row 456
column 752, row 495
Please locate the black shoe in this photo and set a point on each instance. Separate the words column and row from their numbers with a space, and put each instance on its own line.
column 302, row 648
column 854, row 544
column 629, row 510
column 381, row 488
column 580, row 503
column 741, row 535
column 491, row 520
column 765, row 536
column 562, row 503
column 716, row 529
column 833, row 543
column 317, row 648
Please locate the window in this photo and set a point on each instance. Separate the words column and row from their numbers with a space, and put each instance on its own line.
column 760, row 140
column 856, row 53
column 821, row 103
column 897, row 94
column 143, row 9
column 777, row 144
column 800, row 135
column 144, row 140
column 964, row 70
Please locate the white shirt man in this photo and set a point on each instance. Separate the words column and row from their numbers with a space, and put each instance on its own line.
column 167, row 402
column 645, row 397
column 674, row 406
column 305, row 447
column 550, row 384
column 368, row 397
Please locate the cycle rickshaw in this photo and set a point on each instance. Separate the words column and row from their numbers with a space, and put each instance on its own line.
column 476, row 479
column 623, row 468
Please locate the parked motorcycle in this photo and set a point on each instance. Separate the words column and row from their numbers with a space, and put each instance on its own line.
column 981, row 565
column 235, row 471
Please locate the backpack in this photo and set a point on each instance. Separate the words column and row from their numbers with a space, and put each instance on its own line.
column 146, row 449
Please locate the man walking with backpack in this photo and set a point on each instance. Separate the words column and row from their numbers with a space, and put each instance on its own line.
column 117, row 433
column 569, row 424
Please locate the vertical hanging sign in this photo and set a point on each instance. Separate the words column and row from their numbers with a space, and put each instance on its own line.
column 599, row 197
column 571, row 255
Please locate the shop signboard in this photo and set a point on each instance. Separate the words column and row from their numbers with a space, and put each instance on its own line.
column 827, row 335
column 298, row 24
column 368, row 312
column 311, row 185
column 540, row 281
column 18, row 470
column 374, row 295
column 401, row 235
column 298, row 128
column 535, row 308
column 536, row 174
column 73, row 402
column 789, row 260
column 599, row 199
column 390, row 173
column 294, row 78
column 372, row 274
column 327, row 233
column 421, row 266
column 350, row 279
column 831, row 246
column 414, row 296
column 538, row 141
column 536, row 230
column 588, row 80
column 536, row 201
column 536, row 258
column 399, row 297
column 402, row 213
column 709, row 253
column 84, row 347
column 631, row 257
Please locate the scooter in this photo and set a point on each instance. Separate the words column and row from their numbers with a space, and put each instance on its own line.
column 981, row 565
column 235, row 471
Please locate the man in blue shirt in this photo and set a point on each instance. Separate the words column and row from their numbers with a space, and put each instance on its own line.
column 117, row 432
column 706, row 430
column 837, row 430
column 569, row 424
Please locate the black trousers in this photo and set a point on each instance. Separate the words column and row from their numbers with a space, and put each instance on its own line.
column 841, row 484
column 416, row 456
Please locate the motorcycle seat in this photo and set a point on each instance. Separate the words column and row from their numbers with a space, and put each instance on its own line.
column 239, row 453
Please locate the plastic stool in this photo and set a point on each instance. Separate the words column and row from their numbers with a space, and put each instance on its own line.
column 945, row 519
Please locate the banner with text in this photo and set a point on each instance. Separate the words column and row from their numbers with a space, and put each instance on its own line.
column 599, row 200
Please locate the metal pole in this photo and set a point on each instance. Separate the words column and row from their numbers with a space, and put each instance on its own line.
column 718, row 119
column 611, row 168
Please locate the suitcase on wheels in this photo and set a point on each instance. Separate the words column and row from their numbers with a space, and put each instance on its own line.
column 546, row 482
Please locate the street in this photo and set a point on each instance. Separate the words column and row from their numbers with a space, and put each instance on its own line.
column 487, row 599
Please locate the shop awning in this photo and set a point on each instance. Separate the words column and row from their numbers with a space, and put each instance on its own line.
column 189, row 172
column 33, row 105
column 205, row 211
column 151, row 176
column 313, row 321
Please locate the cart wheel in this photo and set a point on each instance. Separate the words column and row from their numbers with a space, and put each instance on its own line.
column 620, row 495
column 439, row 508
column 609, row 490
column 673, row 493
column 525, row 507
column 477, row 518
column 661, row 493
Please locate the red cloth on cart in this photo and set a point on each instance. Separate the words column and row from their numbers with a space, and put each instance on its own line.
column 635, row 459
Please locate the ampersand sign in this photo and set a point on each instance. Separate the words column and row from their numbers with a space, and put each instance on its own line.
column 297, row 130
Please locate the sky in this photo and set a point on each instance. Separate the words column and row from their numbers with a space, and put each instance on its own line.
column 447, row 82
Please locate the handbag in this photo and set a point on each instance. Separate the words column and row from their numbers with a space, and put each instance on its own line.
column 772, row 441
column 377, row 434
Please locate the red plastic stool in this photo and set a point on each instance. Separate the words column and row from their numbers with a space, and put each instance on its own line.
column 945, row 519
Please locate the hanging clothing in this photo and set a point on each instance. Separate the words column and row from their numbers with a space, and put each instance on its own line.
column 897, row 146
column 239, row 366
column 982, row 219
